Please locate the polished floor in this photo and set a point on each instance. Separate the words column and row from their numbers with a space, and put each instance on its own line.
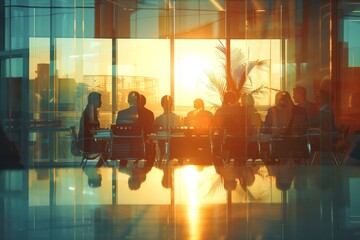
column 172, row 201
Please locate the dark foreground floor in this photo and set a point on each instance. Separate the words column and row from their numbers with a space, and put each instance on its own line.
column 181, row 202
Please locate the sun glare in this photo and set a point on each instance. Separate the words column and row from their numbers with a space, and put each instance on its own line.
column 191, row 180
column 189, row 69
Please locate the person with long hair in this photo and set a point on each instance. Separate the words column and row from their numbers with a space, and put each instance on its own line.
column 88, row 123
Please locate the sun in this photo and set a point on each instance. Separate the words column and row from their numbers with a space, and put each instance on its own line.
column 189, row 70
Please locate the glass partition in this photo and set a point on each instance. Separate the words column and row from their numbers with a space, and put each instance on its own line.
column 63, row 50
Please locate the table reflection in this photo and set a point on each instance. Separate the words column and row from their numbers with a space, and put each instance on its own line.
column 183, row 201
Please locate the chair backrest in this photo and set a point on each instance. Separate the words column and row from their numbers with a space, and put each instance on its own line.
column 75, row 150
column 234, row 141
column 127, row 142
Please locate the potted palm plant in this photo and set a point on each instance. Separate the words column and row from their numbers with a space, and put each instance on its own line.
column 243, row 74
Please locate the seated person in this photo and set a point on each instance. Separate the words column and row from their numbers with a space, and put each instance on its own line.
column 300, row 99
column 137, row 114
column 285, row 121
column 285, row 117
column 230, row 114
column 146, row 119
column 89, row 121
column 130, row 115
column 146, row 116
column 230, row 117
column 254, row 121
column 325, row 121
column 198, row 117
column 166, row 121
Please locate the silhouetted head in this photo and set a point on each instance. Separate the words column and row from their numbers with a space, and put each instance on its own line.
column 230, row 185
column 167, row 103
column 247, row 100
column 229, row 98
column 133, row 98
column 94, row 98
column 199, row 104
column 283, row 100
column 299, row 95
column 142, row 100
column 134, row 182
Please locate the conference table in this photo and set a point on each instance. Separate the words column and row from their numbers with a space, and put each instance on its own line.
column 163, row 140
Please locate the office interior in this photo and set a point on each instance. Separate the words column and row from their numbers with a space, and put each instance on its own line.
column 54, row 53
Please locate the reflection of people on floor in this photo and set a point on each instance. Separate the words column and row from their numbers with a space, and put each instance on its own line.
column 137, row 175
column 199, row 117
column 167, row 179
column 94, row 177
column 284, row 175
column 9, row 153
column 252, row 180
column 88, row 123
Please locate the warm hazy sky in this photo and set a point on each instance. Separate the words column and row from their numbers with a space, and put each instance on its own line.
column 151, row 58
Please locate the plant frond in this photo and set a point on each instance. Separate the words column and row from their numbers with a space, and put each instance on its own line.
column 273, row 89
column 216, row 84
column 259, row 91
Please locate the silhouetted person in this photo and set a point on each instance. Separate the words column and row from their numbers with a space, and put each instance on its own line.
column 130, row 115
column 167, row 181
column 288, row 125
column 229, row 176
column 168, row 119
column 136, row 114
column 146, row 115
column 146, row 119
column 326, row 124
column 138, row 177
column 229, row 119
column 253, row 124
column 300, row 99
column 285, row 117
column 88, row 123
column 230, row 114
column 253, row 118
column 94, row 177
column 199, row 117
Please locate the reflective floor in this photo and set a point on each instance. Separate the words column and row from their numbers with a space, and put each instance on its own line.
column 181, row 202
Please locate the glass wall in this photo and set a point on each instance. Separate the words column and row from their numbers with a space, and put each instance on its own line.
column 53, row 53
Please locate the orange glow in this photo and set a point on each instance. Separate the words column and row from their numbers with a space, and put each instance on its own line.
column 191, row 179
column 190, row 68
